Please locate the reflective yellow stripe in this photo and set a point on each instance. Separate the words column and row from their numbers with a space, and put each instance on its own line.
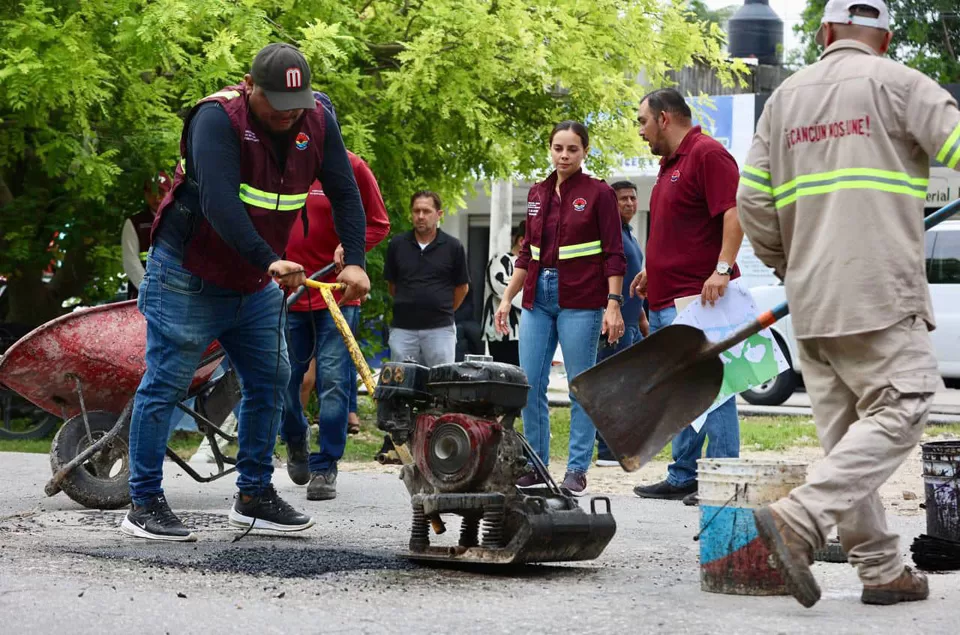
column 571, row 251
column 849, row 179
column 583, row 249
column 757, row 179
column 755, row 172
column 271, row 200
column 949, row 154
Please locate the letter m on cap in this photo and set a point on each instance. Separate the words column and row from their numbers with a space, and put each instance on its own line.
column 294, row 78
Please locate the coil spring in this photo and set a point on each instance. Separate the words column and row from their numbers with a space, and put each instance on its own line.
column 493, row 528
column 420, row 530
column 469, row 531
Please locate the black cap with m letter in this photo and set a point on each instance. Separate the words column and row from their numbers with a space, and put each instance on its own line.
column 283, row 74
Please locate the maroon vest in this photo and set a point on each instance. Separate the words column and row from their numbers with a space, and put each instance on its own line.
column 273, row 199
column 582, row 281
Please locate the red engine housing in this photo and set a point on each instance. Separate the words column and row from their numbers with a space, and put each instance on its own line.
column 455, row 452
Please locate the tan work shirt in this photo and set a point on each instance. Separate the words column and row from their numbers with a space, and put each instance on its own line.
column 833, row 189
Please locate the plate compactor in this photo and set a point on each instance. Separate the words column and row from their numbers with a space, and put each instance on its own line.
column 457, row 419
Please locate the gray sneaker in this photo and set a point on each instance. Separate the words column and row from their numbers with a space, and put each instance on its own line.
column 298, row 455
column 323, row 485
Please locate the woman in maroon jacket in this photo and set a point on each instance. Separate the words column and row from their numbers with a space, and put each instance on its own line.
column 571, row 270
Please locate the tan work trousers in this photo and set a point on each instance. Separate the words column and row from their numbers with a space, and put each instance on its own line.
column 871, row 394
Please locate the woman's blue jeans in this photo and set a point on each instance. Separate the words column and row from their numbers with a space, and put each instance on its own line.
column 577, row 331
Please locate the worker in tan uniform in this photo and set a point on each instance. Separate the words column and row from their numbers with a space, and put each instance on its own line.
column 831, row 197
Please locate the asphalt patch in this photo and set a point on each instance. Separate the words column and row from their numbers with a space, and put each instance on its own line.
column 112, row 519
column 299, row 563
column 254, row 560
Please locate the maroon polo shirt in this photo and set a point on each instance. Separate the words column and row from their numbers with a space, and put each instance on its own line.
column 695, row 186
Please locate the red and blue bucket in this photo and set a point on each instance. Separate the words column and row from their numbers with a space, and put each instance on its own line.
column 733, row 560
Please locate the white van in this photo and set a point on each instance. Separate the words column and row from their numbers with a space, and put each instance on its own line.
column 943, row 275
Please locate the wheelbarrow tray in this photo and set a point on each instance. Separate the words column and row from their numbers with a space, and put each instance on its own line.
column 103, row 347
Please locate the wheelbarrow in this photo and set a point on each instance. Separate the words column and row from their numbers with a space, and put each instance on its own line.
column 84, row 367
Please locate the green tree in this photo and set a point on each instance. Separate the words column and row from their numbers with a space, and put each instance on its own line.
column 926, row 35
column 434, row 94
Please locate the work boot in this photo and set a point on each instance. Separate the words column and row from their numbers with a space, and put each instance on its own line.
column 665, row 490
column 267, row 511
column 792, row 554
column 575, row 483
column 910, row 586
column 323, row 485
column 298, row 454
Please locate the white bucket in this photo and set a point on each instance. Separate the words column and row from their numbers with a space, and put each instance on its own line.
column 732, row 558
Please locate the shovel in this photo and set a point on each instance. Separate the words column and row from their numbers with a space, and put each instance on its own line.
column 679, row 372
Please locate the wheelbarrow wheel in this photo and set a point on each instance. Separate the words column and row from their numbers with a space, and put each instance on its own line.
column 100, row 482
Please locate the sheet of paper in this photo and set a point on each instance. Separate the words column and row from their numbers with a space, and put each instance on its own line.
column 682, row 303
column 746, row 365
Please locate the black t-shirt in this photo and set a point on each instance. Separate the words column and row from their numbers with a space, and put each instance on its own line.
column 424, row 279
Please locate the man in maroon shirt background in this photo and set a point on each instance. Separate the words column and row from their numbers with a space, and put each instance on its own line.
column 335, row 373
column 694, row 238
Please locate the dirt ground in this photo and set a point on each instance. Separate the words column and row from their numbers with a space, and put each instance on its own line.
column 902, row 493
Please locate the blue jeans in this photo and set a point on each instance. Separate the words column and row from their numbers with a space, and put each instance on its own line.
column 631, row 335
column 184, row 315
column 335, row 372
column 577, row 331
column 722, row 427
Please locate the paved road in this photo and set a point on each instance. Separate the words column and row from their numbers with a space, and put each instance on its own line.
column 68, row 570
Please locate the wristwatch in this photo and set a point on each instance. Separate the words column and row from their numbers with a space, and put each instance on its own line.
column 617, row 297
column 723, row 268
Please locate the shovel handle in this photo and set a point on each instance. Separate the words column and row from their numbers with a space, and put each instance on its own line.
column 767, row 318
column 315, row 276
column 326, row 289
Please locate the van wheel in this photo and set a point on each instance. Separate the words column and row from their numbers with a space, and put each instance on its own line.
column 778, row 389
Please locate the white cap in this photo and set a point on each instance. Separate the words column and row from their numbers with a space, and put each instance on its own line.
column 838, row 12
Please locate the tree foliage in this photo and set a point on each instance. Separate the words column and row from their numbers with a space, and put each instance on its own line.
column 926, row 35
column 434, row 94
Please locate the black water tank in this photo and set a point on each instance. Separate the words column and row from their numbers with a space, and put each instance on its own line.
column 756, row 31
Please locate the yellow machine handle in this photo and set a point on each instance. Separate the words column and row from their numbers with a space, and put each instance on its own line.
column 326, row 290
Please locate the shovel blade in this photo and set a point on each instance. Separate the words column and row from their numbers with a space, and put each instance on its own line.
column 637, row 418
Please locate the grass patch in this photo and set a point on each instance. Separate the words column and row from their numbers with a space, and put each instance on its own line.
column 773, row 434
column 32, row 446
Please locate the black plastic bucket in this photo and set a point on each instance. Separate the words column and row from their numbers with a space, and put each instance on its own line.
column 941, row 477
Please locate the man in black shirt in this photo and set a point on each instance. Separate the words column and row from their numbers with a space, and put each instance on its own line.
column 426, row 270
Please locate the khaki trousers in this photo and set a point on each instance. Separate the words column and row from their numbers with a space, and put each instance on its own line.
column 871, row 394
